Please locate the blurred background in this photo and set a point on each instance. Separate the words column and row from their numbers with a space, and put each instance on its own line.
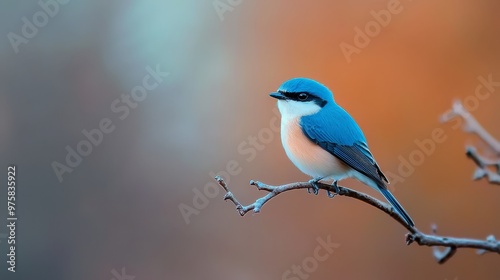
column 137, row 204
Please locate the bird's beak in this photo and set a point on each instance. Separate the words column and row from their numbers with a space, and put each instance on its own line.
column 277, row 95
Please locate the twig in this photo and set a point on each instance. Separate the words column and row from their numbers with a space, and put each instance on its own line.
column 442, row 256
column 471, row 124
column 483, row 164
column 450, row 243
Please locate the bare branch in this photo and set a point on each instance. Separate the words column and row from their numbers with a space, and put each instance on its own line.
column 414, row 236
column 490, row 238
column 471, row 124
column 483, row 164
column 442, row 256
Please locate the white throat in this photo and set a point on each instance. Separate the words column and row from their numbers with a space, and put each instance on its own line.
column 290, row 109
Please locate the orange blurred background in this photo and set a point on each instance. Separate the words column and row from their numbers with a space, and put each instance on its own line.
column 120, row 208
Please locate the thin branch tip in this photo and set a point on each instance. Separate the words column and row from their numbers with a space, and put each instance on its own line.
column 471, row 125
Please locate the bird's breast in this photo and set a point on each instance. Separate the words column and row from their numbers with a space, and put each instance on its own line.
column 308, row 156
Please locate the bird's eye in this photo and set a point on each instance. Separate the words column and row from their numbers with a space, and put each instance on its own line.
column 303, row 96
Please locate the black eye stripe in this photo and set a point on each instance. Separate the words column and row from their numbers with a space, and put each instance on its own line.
column 294, row 95
column 310, row 97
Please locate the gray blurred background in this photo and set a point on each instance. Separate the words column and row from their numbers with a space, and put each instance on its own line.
column 120, row 208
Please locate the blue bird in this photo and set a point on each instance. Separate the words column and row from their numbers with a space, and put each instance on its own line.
column 323, row 141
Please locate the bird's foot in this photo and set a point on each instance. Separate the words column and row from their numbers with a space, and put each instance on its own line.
column 314, row 184
column 336, row 190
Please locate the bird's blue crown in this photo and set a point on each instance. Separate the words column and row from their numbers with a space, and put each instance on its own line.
column 307, row 85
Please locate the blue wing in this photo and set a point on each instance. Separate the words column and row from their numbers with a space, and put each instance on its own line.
column 336, row 131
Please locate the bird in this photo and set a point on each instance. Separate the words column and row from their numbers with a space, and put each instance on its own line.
column 323, row 141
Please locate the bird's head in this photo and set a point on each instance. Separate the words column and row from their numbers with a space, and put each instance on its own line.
column 300, row 97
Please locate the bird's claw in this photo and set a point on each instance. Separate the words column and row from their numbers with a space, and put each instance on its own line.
column 336, row 190
column 335, row 187
column 330, row 194
column 314, row 188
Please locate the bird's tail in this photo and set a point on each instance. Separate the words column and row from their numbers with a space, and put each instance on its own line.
column 392, row 200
